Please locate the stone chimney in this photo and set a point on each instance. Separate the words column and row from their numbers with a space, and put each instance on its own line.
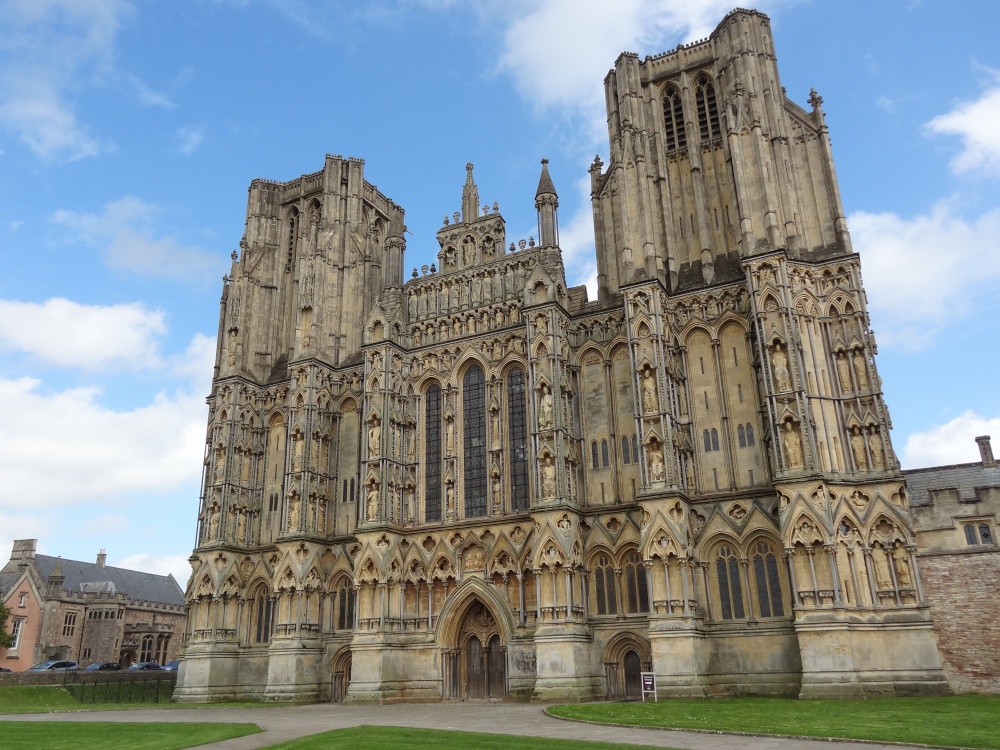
column 23, row 552
column 102, row 557
column 985, row 451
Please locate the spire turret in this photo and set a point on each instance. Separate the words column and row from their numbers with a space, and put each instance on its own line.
column 470, row 196
column 546, row 201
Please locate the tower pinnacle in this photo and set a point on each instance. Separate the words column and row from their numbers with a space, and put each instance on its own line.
column 470, row 196
column 547, row 201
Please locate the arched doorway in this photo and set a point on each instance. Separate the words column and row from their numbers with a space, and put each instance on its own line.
column 625, row 657
column 632, row 668
column 340, row 669
column 477, row 668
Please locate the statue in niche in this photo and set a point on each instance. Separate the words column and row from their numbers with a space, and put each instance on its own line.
column 468, row 252
column 860, row 371
column 213, row 522
column 374, row 437
column 495, row 430
column 548, row 478
column 321, row 517
column 371, row 509
column 657, row 471
column 241, row 525
column 876, row 448
column 545, row 409
column 450, row 498
column 293, row 512
column 410, row 498
column 297, row 449
column 465, row 292
column 412, row 306
column 220, row 464
column 449, row 435
column 900, row 558
column 650, row 402
column 779, row 367
column 497, row 285
column 496, row 494
column 793, row 445
column 541, row 326
column 844, row 371
column 477, row 290
column 883, row 578
column 858, row 449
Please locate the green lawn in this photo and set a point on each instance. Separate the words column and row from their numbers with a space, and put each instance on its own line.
column 37, row 699
column 961, row 720
column 394, row 738
column 69, row 735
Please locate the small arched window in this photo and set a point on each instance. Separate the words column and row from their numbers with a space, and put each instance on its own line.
column 750, row 434
column 708, row 110
column 673, row 121
column 727, row 568
column 741, row 435
column 345, row 606
column 985, row 535
column 707, row 438
column 260, row 610
column 605, row 460
column 626, row 457
column 594, row 457
column 970, row 534
column 765, row 570
column 635, row 449
column 636, row 584
column 715, row 439
column 604, row 587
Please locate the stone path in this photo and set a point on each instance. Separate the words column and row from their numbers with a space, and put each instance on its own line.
column 281, row 724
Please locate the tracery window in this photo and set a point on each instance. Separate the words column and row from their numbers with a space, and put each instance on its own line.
column 604, row 587
column 517, row 429
column 432, row 471
column 765, row 570
column 162, row 642
column 985, row 535
column 727, row 568
column 626, row 454
column 474, row 441
column 261, row 611
column 636, row 584
column 345, row 606
column 146, row 649
column 673, row 121
column 708, row 111
column 594, row 457
column 69, row 624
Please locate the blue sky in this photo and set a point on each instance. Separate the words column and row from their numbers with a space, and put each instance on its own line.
column 129, row 133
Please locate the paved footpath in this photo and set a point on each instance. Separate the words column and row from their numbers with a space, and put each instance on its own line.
column 281, row 724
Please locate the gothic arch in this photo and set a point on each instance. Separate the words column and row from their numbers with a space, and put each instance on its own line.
column 625, row 641
column 468, row 592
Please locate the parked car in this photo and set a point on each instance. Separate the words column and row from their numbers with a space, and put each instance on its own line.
column 4, row 669
column 53, row 666
column 100, row 666
column 171, row 666
column 145, row 665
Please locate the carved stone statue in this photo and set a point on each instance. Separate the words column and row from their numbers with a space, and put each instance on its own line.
column 374, row 438
column 449, row 436
column 213, row 522
column 371, row 509
column 548, row 478
column 495, row 430
column 657, row 472
column 858, row 449
column 241, row 525
column 650, row 402
column 779, row 366
column 293, row 512
column 496, row 494
column 883, row 578
column 793, row 445
column 545, row 409
column 450, row 497
column 844, row 372
column 900, row 558
column 860, row 371
column 876, row 448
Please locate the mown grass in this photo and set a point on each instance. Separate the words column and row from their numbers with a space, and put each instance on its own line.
column 958, row 721
column 69, row 735
column 394, row 738
column 35, row 699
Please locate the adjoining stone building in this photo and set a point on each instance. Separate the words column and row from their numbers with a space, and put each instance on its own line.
column 480, row 483
column 90, row 612
column 956, row 510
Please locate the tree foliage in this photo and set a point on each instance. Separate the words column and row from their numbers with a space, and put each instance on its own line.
column 6, row 639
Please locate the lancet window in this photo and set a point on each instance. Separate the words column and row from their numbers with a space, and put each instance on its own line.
column 708, row 110
column 604, row 587
column 345, row 606
column 517, row 430
column 432, row 471
column 636, row 584
column 261, row 613
column 727, row 568
column 474, row 440
column 765, row 570
column 673, row 121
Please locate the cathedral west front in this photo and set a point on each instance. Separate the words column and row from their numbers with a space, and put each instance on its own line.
column 477, row 482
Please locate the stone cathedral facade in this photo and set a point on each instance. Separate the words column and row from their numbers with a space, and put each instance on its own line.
column 479, row 483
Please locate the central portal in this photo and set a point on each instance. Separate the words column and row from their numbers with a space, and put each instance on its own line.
column 477, row 668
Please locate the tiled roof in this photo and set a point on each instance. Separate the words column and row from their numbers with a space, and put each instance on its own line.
column 964, row 477
column 133, row 583
column 7, row 581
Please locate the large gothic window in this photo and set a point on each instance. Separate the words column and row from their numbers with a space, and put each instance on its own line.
column 673, row 121
column 636, row 584
column 727, row 567
column 261, row 612
column 474, row 440
column 765, row 570
column 345, row 606
column 517, row 430
column 604, row 587
column 708, row 110
column 432, row 472
column 146, row 649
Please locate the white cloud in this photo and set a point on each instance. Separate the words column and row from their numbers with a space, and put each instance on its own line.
column 21, row 526
column 189, row 139
column 49, row 50
column 949, row 443
column 93, row 337
column 109, row 525
column 976, row 123
column 130, row 242
column 66, row 448
column 175, row 565
column 925, row 272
